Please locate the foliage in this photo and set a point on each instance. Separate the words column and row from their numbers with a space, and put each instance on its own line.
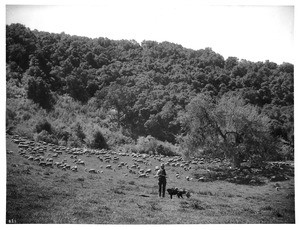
column 229, row 126
column 43, row 125
column 39, row 92
column 152, row 146
column 141, row 89
column 45, row 136
column 99, row 141
column 79, row 132
column 147, row 145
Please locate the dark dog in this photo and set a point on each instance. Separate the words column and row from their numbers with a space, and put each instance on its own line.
column 176, row 191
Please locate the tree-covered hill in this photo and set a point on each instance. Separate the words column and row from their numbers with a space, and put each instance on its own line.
column 78, row 83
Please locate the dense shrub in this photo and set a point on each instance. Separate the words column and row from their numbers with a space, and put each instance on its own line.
column 146, row 144
column 75, row 142
column 99, row 141
column 43, row 125
column 118, row 139
column 165, row 150
column 62, row 134
column 150, row 145
column 45, row 136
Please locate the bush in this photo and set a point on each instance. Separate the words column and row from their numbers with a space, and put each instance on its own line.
column 117, row 139
column 45, row 136
column 146, row 144
column 43, row 125
column 79, row 132
column 165, row 150
column 99, row 141
column 75, row 142
column 150, row 145
column 62, row 133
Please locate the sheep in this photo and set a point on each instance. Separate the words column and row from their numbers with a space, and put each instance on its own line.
column 22, row 152
column 108, row 167
column 100, row 158
column 142, row 175
column 36, row 159
column 49, row 159
column 80, row 163
column 60, row 165
column 140, row 161
column 68, row 166
column 92, row 171
column 42, row 163
column 50, row 164
column 74, row 168
column 131, row 171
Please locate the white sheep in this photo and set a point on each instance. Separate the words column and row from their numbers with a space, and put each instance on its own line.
column 68, row 166
column 143, row 175
column 74, row 168
column 91, row 170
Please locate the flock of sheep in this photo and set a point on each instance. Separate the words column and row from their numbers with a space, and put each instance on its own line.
column 129, row 164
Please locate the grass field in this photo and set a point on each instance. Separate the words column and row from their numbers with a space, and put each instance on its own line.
column 36, row 194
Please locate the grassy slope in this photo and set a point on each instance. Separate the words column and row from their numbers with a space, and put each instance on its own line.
column 45, row 195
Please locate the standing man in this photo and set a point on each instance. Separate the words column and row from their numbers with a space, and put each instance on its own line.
column 162, row 180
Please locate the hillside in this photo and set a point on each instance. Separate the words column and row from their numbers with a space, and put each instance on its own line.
column 126, row 90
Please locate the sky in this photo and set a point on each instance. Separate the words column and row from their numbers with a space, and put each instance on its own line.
column 251, row 32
